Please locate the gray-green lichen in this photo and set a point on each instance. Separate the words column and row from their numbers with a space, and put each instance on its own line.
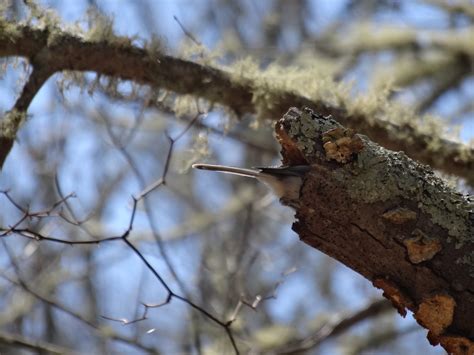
column 304, row 132
column 10, row 123
column 380, row 175
column 306, row 129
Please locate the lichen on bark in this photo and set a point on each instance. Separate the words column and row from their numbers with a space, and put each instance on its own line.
column 382, row 214
column 379, row 175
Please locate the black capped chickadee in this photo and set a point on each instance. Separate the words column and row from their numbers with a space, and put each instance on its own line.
column 285, row 181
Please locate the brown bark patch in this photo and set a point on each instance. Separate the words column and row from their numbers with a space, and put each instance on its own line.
column 436, row 313
column 457, row 345
column 293, row 155
column 390, row 290
column 421, row 248
column 400, row 215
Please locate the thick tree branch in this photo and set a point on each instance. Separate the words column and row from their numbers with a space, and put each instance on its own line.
column 388, row 218
column 116, row 57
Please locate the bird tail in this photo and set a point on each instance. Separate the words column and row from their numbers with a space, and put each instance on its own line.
column 228, row 170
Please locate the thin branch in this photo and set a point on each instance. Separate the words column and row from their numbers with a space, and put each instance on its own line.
column 33, row 235
column 369, row 344
column 144, row 315
column 233, row 134
column 53, row 303
column 39, row 214
column 146, row 190
column 181, row 298
column 27, row 233
column 445, row 81
column 338, row 324
column 258, row 299
column 186, row 32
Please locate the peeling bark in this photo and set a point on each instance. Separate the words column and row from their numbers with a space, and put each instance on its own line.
column 390, row 219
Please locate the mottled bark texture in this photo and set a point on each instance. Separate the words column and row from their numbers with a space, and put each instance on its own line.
column 390, row 219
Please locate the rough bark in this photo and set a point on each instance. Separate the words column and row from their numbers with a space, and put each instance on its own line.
column 390, row 219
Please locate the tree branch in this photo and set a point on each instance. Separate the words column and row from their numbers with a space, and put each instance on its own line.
column 388, row 218
column 60, row 50
column 338, row 324
column 15, row 340
column 13, row 119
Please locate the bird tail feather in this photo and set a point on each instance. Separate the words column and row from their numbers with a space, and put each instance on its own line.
column 228, row 170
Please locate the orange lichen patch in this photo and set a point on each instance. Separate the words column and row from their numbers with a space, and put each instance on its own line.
column 292, row 155
column 399, row 215
column 435, row 313
column 390, row 290
column 341, row 144
column 420, row 247
column 457, row 345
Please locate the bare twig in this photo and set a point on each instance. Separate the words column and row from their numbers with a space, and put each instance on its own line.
column 186, row 32
column 253, row 304
column 124, row 237
column 55, row 304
